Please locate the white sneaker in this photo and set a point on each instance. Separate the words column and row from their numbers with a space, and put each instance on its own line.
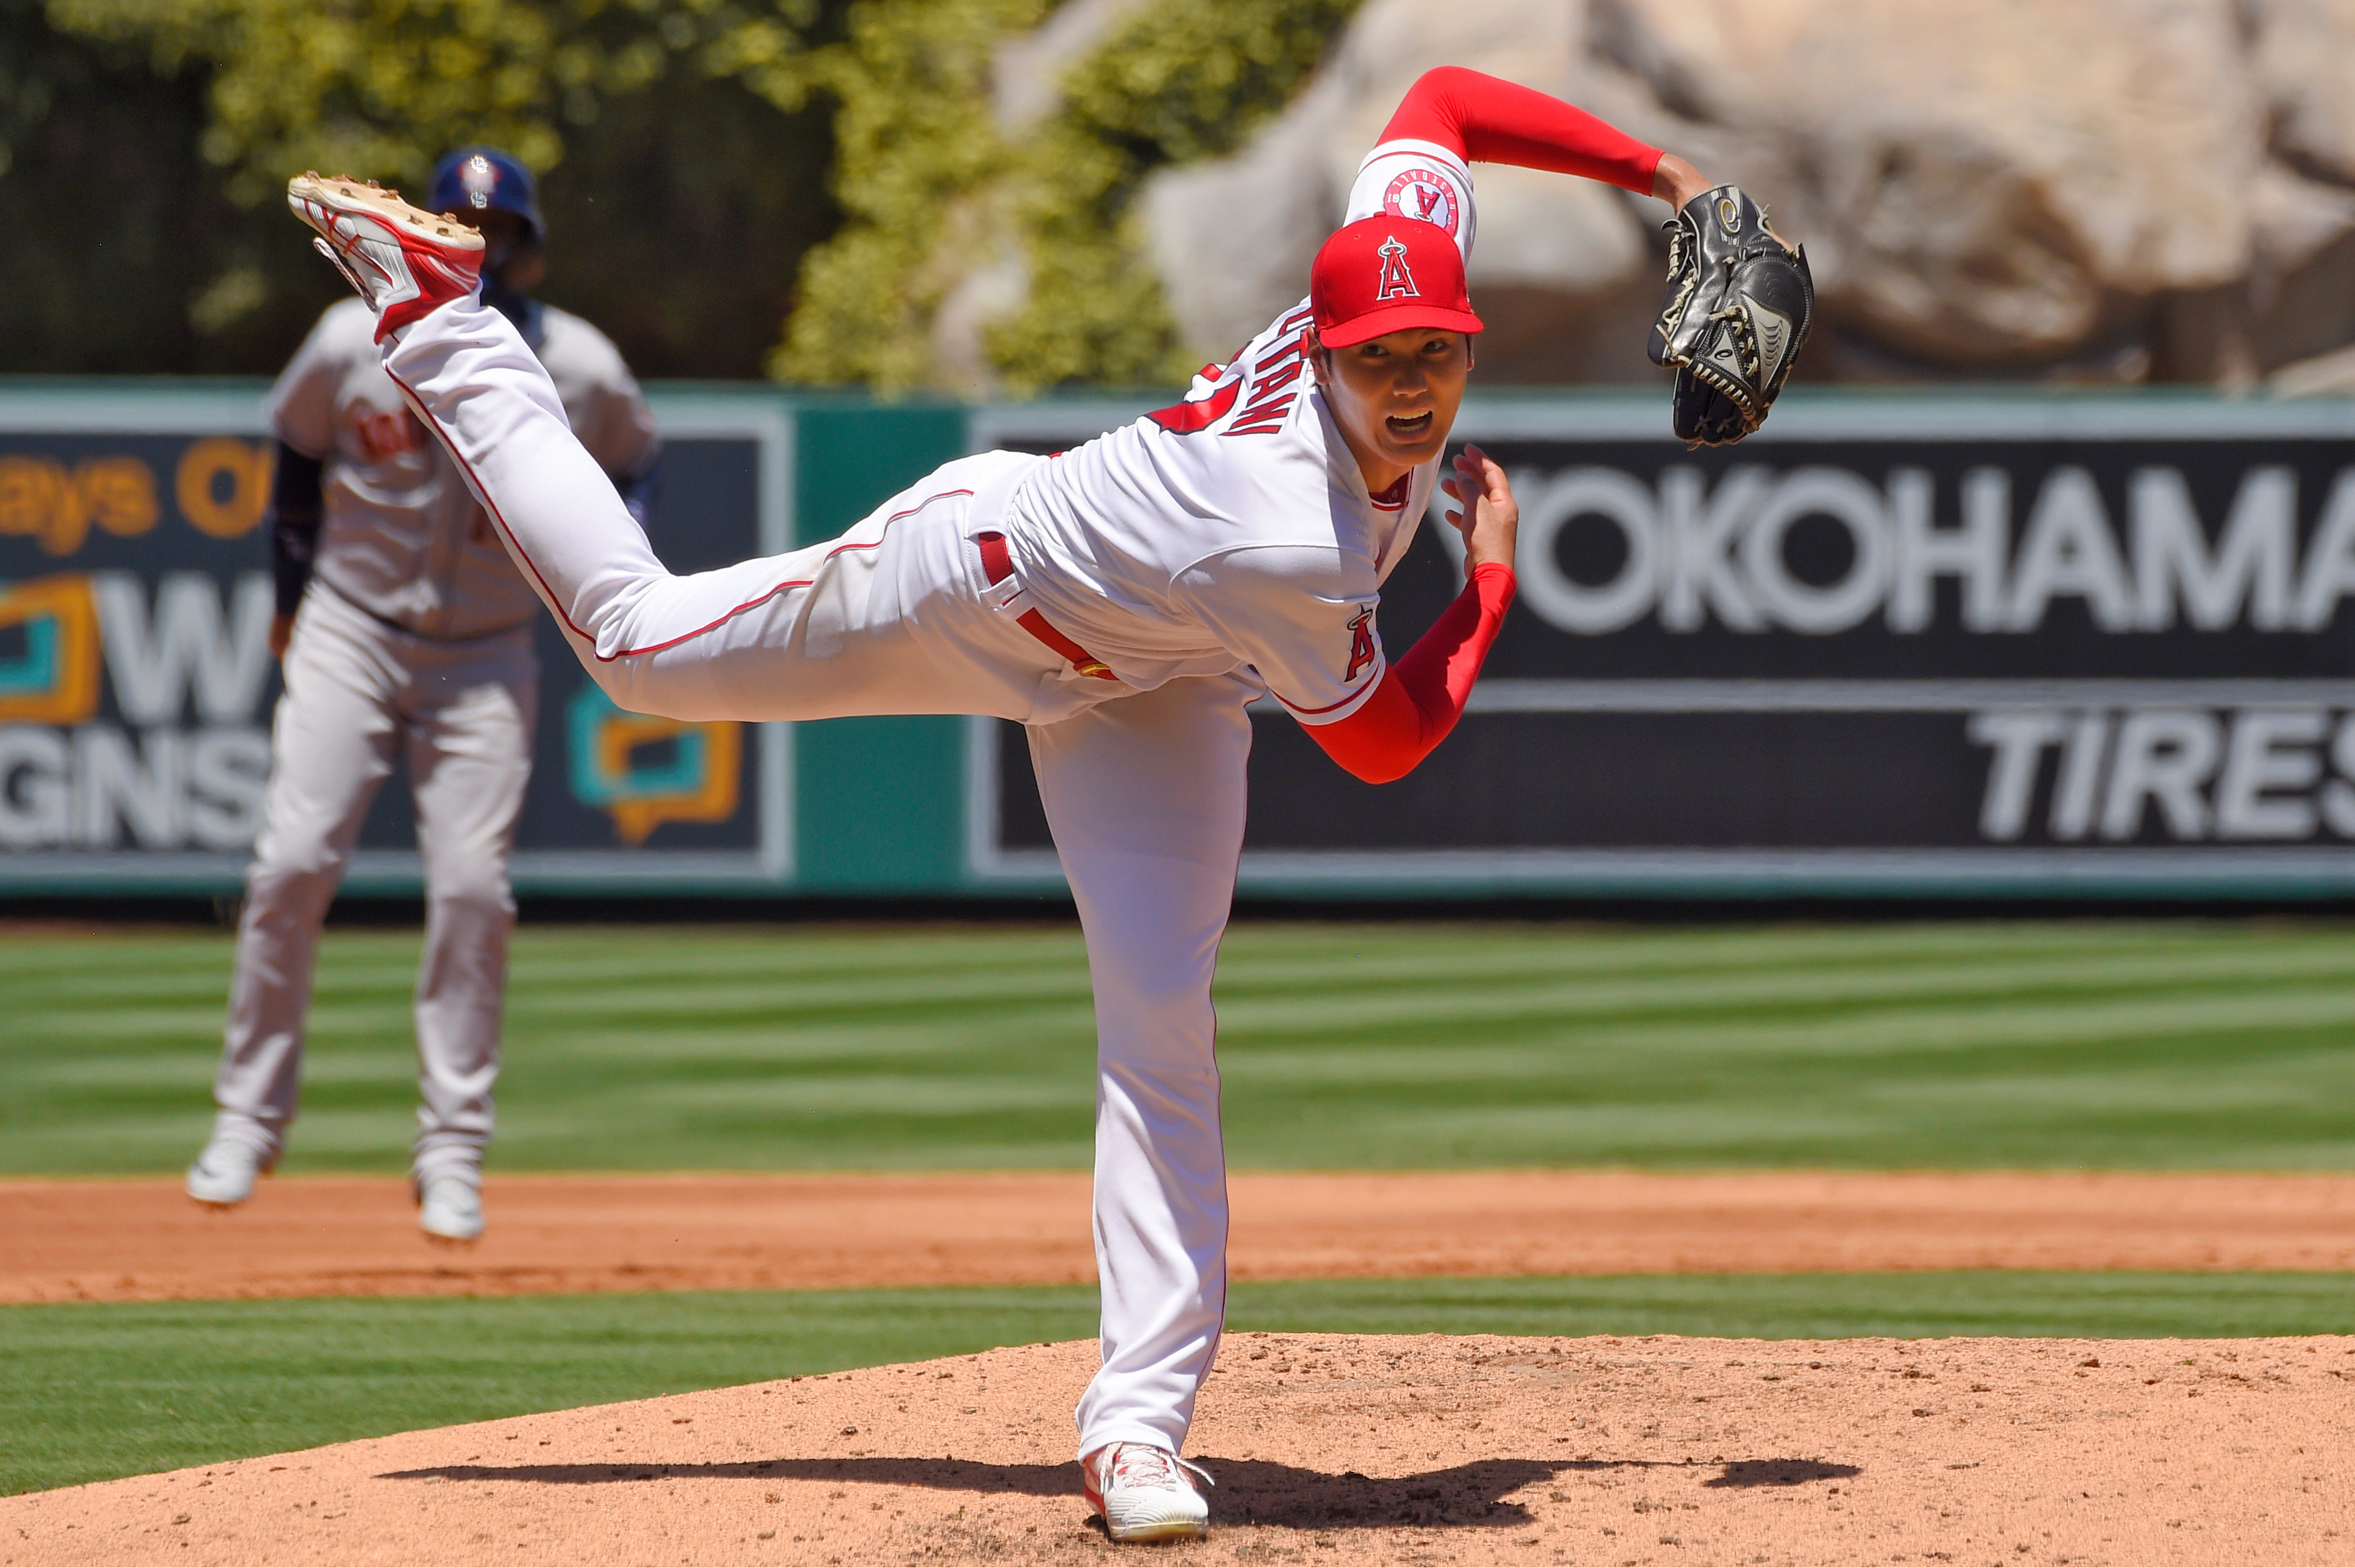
column 1145, row 1493
column 450, row 1207
column 224, row 1172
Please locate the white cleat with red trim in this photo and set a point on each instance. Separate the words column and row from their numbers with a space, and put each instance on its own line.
column 405, row 261
column 1145, row 1493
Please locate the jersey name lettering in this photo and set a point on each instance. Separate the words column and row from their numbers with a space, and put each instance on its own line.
column 1274, row 383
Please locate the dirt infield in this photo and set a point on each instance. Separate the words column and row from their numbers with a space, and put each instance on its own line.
column 1343, row 1449
column 1327, row 1449
column 143, row 1240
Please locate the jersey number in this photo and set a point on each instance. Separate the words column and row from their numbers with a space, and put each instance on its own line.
column 1185, row 419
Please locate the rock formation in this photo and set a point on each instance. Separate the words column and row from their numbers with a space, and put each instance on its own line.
column 2070, row 190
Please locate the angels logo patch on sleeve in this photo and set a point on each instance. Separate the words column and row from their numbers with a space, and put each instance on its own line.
column 1362, row 651
column 1423, row 194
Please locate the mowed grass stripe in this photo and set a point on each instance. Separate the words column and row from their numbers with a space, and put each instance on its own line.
column 605, row 957
column 89, row 1393
column 827, row 970
column 2149, row 1044
column 2066, row 966
column 813, row 998
column 1370, row 987
column 2265, row 1017
column 2217, row 980
column 1366, row 951
column 1272, row 1003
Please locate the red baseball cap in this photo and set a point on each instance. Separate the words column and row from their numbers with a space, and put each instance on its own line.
column 1386, row 274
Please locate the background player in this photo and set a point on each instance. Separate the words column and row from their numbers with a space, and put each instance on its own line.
column 403, row 629
column 1126, row 601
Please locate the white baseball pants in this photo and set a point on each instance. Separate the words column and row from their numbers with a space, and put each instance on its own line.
column 1144, row 790
column 358, row 693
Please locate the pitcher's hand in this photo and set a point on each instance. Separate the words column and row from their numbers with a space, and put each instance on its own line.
column 1486, row 513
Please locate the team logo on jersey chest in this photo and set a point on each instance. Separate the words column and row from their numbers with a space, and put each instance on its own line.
column 1396, row 280
column 1422, row 194
column 1361, row 644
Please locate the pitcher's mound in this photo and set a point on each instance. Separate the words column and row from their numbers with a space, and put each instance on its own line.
column 1344, row 1448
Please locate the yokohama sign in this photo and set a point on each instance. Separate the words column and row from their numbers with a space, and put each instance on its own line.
column 1893, row 645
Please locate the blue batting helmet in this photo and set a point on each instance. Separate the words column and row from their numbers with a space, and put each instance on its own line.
column 484, row 179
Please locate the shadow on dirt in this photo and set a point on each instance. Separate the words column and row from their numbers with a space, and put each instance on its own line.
column 1780, row 1473
column 1248, row 1491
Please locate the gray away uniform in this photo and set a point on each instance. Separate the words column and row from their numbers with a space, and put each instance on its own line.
column 414, row 635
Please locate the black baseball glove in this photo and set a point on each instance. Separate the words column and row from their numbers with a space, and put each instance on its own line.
column 1740, row 304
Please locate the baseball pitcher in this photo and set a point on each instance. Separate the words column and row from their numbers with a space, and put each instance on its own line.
column 404, row 632
column 1124, row 601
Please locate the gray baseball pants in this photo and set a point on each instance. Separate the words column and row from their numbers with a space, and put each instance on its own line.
column 358, row 693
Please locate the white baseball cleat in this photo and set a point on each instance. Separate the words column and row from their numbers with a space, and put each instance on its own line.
column 224, row 1172
column 450, row 1207
column 405, row 261
column 1145, row 1493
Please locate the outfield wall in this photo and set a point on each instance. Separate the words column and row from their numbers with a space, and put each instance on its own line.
column 1896, row 644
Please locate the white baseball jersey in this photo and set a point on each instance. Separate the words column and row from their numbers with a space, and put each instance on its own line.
column 1232, row 530
column 1235, row 528
column 401, row 538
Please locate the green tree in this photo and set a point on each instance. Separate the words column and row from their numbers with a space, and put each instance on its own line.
column 707, row 164
column 380, row 88
column 124, row 255
column 680, row 218
column 655, row 122
column 926, row 180
column 1185, row 80
column 917, row 161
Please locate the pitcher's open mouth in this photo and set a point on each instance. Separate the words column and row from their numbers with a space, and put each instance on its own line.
column 1408, row 429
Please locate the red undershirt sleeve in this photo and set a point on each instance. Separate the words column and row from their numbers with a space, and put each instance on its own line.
column 1487, row 119
column 1421, row 696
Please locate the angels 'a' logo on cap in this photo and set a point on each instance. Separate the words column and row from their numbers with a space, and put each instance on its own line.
column 1396, row 281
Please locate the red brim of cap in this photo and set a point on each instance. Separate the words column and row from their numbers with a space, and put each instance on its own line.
column 1396, row 318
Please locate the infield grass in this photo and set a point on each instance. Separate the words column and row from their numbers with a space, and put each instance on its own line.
column 87, row 1392
column 2149, row 1045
